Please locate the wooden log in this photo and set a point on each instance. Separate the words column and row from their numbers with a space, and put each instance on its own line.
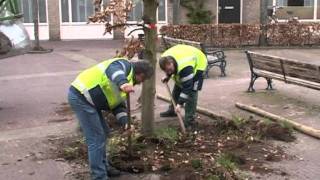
column 297, row 126
column 200, row 110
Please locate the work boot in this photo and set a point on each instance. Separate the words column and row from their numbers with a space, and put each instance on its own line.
column 112, row 171
column 169, row 113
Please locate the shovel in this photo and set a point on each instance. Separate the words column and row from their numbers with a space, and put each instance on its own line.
column 183, row 129
column 129, row 125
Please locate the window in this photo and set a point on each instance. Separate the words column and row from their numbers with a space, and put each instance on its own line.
column 26, row 7
column 64, row 10
column 270, row 7
column 162, row 10
column 81, row 9
column 303, row 9
column 76, row 10
column 137, row 12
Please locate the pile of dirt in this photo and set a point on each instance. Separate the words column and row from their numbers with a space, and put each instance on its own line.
column 216, row 149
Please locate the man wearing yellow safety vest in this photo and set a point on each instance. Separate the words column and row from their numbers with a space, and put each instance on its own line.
column 185, row 65
column 104, row 87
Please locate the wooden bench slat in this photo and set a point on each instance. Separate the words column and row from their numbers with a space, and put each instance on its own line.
column 264, row 58
column 289, row 80
column 284, row 69
column 301, row 71
column 275, row 68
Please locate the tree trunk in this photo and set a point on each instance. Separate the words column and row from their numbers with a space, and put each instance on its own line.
column 263, row 22
column 148, row 88
column 176, row 12
column 36, row 24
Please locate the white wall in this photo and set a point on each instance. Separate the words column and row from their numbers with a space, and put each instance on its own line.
column 83, row 31
column 43, row 31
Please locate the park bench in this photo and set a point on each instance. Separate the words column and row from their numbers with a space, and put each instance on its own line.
column 215, row 57
column 288, row 70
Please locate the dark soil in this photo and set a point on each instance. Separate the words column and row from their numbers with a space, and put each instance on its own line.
column 245, row 144
column 216, row 150
column 70, row 148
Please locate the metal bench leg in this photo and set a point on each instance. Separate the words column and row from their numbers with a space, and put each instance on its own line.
column 254, row 77
column 269, row 81
column 223, row 68
column 207, row 72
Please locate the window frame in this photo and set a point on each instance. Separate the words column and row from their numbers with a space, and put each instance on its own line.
column 166, row 15
column 40, row 23
column 315, row 11
column 85, row 23
column 70, row 16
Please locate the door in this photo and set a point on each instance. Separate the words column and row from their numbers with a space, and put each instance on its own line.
column 229, row 11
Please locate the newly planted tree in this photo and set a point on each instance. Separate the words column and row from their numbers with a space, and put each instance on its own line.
column 120, row 9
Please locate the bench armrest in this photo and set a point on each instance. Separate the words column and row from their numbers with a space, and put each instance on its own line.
column 218, row 53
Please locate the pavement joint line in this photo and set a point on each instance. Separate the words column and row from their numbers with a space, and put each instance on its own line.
column 79, row 58
column 38, row 132
column 29, row 76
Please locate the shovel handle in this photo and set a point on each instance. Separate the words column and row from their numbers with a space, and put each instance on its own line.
column 129, row 124
column 178, row 113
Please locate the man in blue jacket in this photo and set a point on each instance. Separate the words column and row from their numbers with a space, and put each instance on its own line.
column 104, row 87
column 185, row 65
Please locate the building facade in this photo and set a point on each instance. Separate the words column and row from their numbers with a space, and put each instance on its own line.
column 67, row 19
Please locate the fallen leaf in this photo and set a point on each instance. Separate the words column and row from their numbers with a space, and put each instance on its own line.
column 154, row 168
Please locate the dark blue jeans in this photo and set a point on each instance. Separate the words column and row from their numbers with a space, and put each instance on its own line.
column 95, row 131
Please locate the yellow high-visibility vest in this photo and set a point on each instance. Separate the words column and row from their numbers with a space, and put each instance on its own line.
column 96, row 76
column 186, row 55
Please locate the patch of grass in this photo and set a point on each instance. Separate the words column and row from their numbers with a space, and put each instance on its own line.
column 113, row 145
column 287, row 125
column 167, row 134
column 213, row 177
column 196, row 163
column 267, row 121
column 226, row 160
column 239, row 121
column 75, row 150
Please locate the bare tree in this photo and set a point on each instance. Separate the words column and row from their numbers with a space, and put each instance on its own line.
column 37, row 48
column 120, row 10
column 263, row 22
column 36, row 25
column 148, row 89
